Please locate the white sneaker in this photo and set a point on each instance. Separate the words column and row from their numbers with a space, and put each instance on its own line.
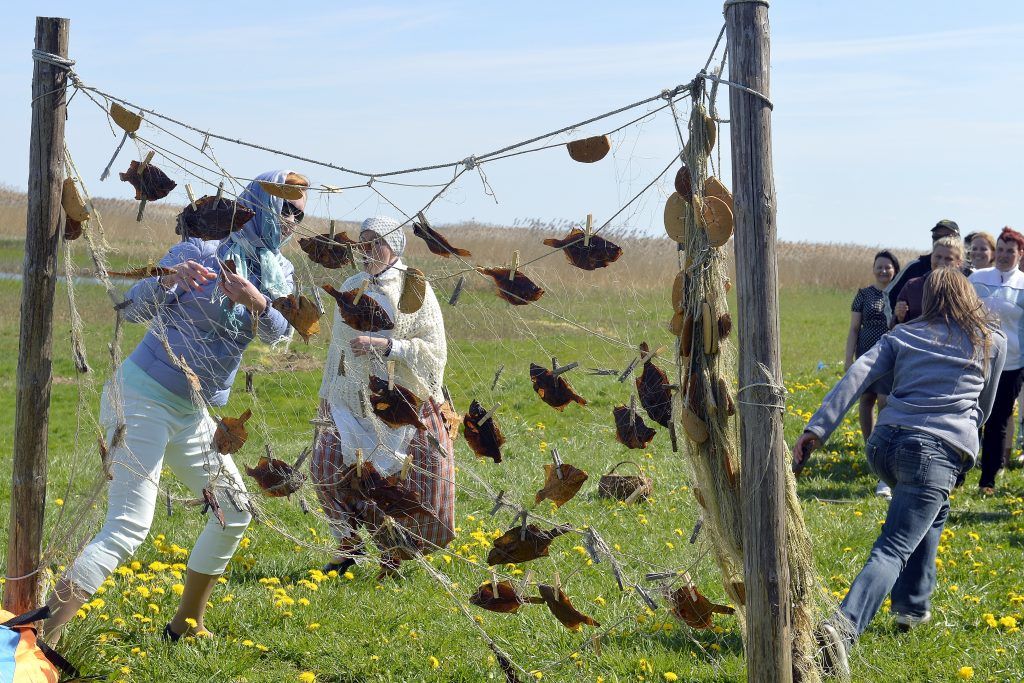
column 905, row 622
column 835, row 661
column 883, row 491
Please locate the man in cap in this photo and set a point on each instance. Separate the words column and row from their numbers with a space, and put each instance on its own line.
column 918, row 268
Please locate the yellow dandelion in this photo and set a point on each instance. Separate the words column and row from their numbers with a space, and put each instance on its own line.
column 965, row 672
column 307, row 677
column 434, row 663
column 670, row 676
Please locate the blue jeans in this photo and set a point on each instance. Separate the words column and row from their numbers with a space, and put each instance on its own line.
column 921, row 469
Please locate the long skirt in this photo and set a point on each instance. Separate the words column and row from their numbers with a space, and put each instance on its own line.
column 431, row 478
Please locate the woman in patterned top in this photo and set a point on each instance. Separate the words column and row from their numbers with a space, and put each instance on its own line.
column 867, row 325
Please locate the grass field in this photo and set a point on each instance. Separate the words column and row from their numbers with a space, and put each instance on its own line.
column 276, row 619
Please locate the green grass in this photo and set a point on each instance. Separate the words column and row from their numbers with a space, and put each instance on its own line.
column 390, row 632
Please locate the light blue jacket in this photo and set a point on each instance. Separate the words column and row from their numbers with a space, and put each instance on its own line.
column 937, row 385
column 195, row 326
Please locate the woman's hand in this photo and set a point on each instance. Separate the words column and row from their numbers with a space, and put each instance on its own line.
column 241, row 291
column 802, row 449
column 363, row 344
column 188, row 275
column 902, row 307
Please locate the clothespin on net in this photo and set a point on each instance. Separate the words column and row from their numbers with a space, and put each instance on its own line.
column 220, row 191
column 304, row 506
column 391, row 375
column 591, row 544
column 141, row 169
column 489, row 413
column 359, row 462
column 523, row 519
column 589, row 231
column 595, row 643
column 499, row 502
column 640, row 359
column 557, row 582
column 557, row 370
column 497, row 376
column 331, row 230
column 689, row 586
column 524, row 585
column 632, row 408
column 302, row 457
column 515, row 265
column 191, row 196
column 696, row 529
column 645, row 596
column 454, row 299
column 167, row 501
column 359, row 294
column 494, row 581
column 406, row 466
column 557, row 460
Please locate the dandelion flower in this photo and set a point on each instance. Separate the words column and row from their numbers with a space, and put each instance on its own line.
column 307, row 677
column 965, row 672
column 434, row 663
column 670, row 676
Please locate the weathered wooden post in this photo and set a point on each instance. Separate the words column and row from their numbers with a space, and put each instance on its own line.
column 31, row 417
column 765, row 564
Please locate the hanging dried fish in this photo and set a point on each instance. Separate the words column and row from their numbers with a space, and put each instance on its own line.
column 414, row 291
column 329, row 252
column 231, row 433
column 518, row 291
column 389, row 494
column 553, row 390
column 684, row 184
column 151, row 185
column 589, row 150
column 366, row 315
column 436, row 242
column 301, row 313
column 630, row 429
column 514, row 546
column 651, row 387
column 484, row 439
column 395, row 407
column 72, row 229
column 560, row 484
column 212, row 218
column 559, row 604
column 598, row 254
column 140, row 273
column 694, row 609
column 506, row 599
column 276, row 477
column 285, row 191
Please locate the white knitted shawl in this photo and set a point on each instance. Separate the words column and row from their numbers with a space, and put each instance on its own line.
column 419, row 347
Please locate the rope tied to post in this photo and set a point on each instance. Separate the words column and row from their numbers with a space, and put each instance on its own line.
column 738, row 86
column 50, row 58
column 776, row 390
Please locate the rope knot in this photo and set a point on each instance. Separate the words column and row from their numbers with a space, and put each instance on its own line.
column 50, row 58
column 469, row 162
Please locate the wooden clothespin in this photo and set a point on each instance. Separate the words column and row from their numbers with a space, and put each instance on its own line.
column 696, row 529
column 557, row 460
column 689, row 586
column 525, row 517
column 632, row 408
column 391, row 375
column 645, row 596
column 359, row 294
column 317, row 300
column 422, row 219
column 167, row 491
column 557, row 582
column 589, row 231
column 359, row 462
column 489, row 413
column 497, row 376
column 248, row 381
column 595, row 643
column 635, row 494
column 331, row 229
column 454, row 299
column 406, row 466
column 494, row 581
column 447, row 395
column 220, row 192
column 304, row 506
column 142, row 182
column 525, row 583
column 341, row 364
column 331, row 189
column 556, row 370
column 364, row 402
column 515, row 265
column 191, row 196
column 499, row 502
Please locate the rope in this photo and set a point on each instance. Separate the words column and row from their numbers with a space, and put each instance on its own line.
column 55, row 60
column 467, row 162
column 738, row 86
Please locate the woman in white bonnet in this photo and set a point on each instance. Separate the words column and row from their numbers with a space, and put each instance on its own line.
column 418, row 347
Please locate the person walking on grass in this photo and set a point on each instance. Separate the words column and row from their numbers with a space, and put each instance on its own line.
column 1001, row 289
column 944, row 368
column 867, row 325
column 206, row 316
column 919, row 267
column 419, row 350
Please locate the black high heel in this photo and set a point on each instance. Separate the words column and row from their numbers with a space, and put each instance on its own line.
column 170, row 635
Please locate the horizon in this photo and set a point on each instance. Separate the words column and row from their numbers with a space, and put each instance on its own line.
column 862, row 122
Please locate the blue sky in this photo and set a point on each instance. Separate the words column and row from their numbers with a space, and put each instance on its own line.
column 888, row 116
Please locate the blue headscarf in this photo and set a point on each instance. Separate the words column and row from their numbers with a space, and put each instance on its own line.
column 256, row 248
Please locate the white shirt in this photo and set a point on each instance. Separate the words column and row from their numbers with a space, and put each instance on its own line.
column 1002, row 292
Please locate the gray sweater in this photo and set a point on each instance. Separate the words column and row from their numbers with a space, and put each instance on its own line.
column 937, row 386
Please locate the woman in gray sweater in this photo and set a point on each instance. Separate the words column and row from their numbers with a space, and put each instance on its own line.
column 941, row 368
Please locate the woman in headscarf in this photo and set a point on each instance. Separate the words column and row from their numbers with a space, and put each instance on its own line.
column 155, row 407
column 419, row 350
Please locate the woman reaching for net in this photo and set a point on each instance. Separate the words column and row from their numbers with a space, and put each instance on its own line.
column 944, row 367
column 417, row 463
column 205, row 316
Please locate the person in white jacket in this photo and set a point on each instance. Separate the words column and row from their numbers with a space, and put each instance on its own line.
column 418, row 347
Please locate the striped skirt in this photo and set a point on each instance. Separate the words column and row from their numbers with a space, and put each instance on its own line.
column 431, row 477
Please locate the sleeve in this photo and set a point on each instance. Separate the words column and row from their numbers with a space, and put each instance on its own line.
column 148, row 295
column 877, row 363
column 995, row 368
column 425, row 351
column 858, row 302
column 271, row 326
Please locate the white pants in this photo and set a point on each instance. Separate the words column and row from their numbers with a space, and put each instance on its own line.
column 158, row 433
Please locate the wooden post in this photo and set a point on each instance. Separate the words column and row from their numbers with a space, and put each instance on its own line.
column 765, row 562
column 31, row 416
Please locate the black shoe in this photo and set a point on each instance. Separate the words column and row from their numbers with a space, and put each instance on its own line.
column 170, row 635
column 342, row 562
